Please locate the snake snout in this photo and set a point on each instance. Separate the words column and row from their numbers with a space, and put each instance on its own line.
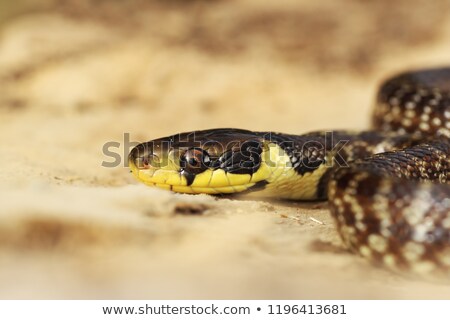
column 143, row 157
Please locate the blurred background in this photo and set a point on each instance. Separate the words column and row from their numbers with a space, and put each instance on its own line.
column 76, row 74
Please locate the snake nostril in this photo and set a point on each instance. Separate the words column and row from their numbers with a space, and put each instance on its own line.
column 145, row 161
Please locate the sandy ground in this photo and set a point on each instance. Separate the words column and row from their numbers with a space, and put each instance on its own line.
column 75, row 76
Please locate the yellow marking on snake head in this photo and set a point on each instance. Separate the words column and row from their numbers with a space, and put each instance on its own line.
column 208, row 190
column 203, row 179
column 284, row 182
column 222, row 179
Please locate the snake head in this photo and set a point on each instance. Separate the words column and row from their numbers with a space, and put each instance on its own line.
column 210, row 161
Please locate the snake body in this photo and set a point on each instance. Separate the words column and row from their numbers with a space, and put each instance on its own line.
column 388, row 188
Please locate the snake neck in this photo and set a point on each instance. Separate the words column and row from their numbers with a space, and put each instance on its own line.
column 300, row 167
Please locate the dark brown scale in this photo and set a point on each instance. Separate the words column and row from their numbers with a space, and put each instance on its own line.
column 400, row 212
column 416, row 91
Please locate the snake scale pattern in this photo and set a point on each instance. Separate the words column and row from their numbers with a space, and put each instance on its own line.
column 388, row 188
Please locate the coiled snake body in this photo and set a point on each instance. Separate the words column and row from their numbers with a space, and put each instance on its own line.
column 388, row 189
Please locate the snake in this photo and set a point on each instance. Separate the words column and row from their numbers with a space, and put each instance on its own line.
column 388, row 187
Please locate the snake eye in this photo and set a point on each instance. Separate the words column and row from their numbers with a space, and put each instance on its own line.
column 195, row 160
